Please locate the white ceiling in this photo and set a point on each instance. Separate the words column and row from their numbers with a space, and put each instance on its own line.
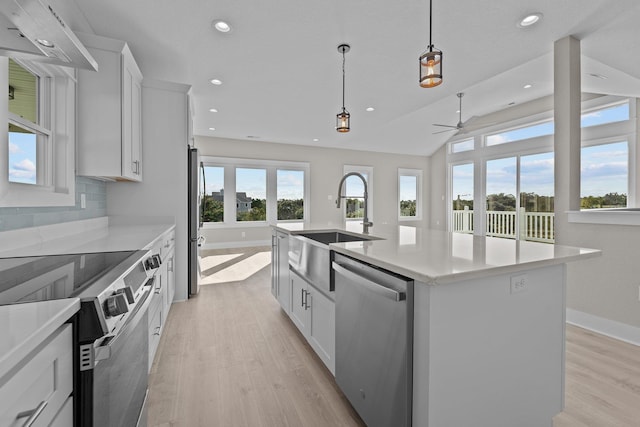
column 281, row 70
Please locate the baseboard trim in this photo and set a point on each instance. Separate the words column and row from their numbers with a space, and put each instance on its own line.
column 237, row 244
column 611, row 328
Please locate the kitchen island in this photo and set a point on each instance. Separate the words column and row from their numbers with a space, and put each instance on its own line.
column 488, row 322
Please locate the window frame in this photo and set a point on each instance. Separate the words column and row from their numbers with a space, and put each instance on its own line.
column 417, row 173
column 230, row 165
column 592, row 135
column 56, row 138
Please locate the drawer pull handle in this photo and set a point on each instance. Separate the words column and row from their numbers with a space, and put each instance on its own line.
column 33, row 414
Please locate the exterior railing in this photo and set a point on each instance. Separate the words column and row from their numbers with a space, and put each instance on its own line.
column 535, row 226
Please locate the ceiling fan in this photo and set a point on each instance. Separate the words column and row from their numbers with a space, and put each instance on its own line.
column 458, row 126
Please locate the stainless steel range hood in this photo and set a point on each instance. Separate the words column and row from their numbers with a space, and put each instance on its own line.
column 31, row 29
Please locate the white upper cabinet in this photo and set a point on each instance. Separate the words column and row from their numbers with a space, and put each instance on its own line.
column 110, row 112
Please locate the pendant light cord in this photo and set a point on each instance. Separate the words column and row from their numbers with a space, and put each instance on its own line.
column 343, row 61
column 430, row 24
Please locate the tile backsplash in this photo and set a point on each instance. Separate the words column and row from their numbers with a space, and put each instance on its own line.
column 96, row 206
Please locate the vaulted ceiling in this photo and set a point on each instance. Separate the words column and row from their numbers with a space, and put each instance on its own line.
column 281, row 71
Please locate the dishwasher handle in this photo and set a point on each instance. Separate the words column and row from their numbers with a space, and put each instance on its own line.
column 378, row 288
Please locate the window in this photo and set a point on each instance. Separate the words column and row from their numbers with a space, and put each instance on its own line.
column 459, row 147
column 213, row 199
column 536, row 197
column 501, row 191
column 252, row 192
column 353, row 193
column 604, row 175
column 532, row 131
column 600, row 116
column 462, row 196
column 290, row 194
column 409, row 194
column 40, row 139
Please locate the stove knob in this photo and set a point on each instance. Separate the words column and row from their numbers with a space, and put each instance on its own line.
column 116, row 305
column 128, row 292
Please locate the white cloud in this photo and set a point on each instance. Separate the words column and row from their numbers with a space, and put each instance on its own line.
column 14, row 149
column 25, row 165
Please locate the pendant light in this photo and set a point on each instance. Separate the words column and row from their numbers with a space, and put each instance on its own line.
column 431, row 61
column 343, row 118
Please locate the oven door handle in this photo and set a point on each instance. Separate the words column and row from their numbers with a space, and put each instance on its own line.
column 104, row 351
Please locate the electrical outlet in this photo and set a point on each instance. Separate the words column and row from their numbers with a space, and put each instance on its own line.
column 638, row 292
column 83, row 201
column 518, row 283
column 243, row 234
column 329, row 197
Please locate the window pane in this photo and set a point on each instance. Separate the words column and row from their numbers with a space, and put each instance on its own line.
column 213, row 200
column 290, row 194
column 22, row 156
column 616, row 113
column 461, row 146
column 462, row 194
column 536, row 197
column 354, row 192
column 25, row 92
column 501, row 199
column 604, row 176
column 251, row 194
column 540, row 129
column 408, row 195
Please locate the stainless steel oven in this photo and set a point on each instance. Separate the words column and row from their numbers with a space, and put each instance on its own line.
column 110, row 330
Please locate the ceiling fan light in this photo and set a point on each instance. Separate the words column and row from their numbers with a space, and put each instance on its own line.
column 431, row 68
column 343, row 121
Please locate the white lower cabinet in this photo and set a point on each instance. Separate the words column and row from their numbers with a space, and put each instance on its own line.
column 39, row 392
column 315, row 316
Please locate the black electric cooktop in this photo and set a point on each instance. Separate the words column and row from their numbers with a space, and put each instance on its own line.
column 41, row 278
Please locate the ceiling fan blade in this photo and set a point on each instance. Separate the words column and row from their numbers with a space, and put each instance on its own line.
column 443, row 131
column 445, row 126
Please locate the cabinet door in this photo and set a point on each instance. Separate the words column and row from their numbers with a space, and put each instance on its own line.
column 170, row 282
column 274, row 265
column 299, row 302
column 131, row 116
column 322, row 327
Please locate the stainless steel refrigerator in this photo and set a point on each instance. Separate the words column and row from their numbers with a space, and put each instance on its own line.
column 196, row 191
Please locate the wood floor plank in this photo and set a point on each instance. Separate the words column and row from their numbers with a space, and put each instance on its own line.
column 232, row 357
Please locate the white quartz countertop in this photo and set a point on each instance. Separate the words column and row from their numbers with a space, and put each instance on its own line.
column 438, row 257
column 25, row 326
column 106, row 234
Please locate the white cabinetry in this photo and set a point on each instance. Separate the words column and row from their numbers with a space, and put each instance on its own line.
column 314, row 314
column 280, row 269
column 110, row 112
column 163, row 289
column 40, row 389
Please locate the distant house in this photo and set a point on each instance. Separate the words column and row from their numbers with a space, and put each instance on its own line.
column 243, row 202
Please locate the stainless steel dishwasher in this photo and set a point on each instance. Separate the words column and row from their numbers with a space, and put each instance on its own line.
column 374, row 341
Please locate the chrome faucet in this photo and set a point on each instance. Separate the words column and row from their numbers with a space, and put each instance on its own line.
column 365, row 221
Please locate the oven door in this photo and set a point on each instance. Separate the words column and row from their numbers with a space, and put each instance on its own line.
column 120, row 381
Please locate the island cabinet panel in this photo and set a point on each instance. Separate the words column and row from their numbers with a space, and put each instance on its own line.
column 110, row 112
column 490, row 351
column 314, row 314
column 280, row 287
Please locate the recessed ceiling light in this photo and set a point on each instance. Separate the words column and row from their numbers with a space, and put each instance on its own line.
column 512, row 103
column 529, row 20
column 212, row 128
column 253, row 136
column 315, row 140
column 598, row 76
column 527, row 86
column 457, row 111
column 213, row 110
column 216, row 82
column 221, row 26
column 45, row 43
column 370, row 109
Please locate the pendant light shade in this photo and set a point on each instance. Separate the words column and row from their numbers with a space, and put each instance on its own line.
column 430, row 61
column 343, row 118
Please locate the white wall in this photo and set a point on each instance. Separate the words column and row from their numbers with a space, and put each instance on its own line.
column 326, row 165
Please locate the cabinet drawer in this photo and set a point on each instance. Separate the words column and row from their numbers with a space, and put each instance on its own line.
column 44, row 378
column 155, row 329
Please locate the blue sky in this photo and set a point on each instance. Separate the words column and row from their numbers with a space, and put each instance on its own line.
column 22, row 157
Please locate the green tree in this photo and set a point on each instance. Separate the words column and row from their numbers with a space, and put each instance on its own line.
column 501, row 202
column 212, row 210
column 407, row 208
column 290, row 209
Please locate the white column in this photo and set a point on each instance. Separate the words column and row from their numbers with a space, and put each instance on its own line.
column 567, row 94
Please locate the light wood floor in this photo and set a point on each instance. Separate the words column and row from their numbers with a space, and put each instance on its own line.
column 232, row 357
